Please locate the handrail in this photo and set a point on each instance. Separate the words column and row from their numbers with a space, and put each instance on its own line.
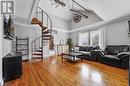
column 47, row 17
column 34, row 41
column 36, row 38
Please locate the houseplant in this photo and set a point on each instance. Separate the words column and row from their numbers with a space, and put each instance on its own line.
column 69, row 43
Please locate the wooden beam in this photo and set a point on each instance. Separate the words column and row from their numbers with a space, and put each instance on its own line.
column 79, row 13
column 80, row 5
column 60, row 2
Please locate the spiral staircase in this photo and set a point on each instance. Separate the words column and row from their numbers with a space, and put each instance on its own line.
column 46, row 39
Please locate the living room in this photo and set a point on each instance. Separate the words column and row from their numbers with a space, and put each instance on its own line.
column 65, row 43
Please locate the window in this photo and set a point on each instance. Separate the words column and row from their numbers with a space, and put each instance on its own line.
column 94, row 38
column 83, row 39
column 91, row 38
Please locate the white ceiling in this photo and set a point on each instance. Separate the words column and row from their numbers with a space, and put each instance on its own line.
column 109, row 9
column 106, row 9
column 62, row 12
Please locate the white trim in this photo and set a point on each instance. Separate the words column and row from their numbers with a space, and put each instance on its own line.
column 61, row 30
column 21, row 24
column 26, row 25
column 89, row 26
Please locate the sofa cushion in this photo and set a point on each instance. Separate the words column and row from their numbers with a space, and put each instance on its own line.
column 81, row 48
column 122, row 54
column 87, row 48
column 110, row 60
column 83, row 52
column 76, row 48
column 116, row 49
column 111, row 57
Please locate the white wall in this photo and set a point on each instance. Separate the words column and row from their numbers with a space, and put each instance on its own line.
column 31, row 31
column 61, row 37
column 62, row 26
column 1, row 30
column 5, row 46
column 92, row 18
column 60, row 23
column 116, row 33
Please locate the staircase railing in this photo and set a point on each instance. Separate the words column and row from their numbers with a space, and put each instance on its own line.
column 36, row 44
column 46, row 21
column 43, row 17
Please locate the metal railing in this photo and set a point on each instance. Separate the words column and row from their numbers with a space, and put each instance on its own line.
column 43, row 17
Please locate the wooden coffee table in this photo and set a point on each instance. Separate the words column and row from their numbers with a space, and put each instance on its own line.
column 72, row 56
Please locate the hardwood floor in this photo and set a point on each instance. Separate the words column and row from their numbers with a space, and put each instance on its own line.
column 53, row 72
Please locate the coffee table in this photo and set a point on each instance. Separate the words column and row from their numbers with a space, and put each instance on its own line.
column 72, row 56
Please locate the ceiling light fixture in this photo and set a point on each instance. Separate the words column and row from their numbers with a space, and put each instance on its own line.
column 58, row 3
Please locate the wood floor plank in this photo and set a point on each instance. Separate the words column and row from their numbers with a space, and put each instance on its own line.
column 57, row 72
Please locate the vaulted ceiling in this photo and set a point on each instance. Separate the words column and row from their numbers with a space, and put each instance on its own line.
column 106, row 9
column 62, row 12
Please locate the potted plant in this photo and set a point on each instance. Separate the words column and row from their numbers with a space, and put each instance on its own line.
column 69, row 43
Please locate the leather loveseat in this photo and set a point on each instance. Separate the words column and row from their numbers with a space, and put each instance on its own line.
column 114, row 55
column 86, row 51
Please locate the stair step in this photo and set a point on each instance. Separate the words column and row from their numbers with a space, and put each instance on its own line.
column 45, row 41
column 39, row 57
column 43, row 27
column 47, row 35
column 39, row 50
column 46, row 38
column 36, row 21
column 37, row 53
column 46, row 32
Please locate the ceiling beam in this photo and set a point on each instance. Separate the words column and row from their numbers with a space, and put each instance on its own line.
column 60, row 2
column 79, row 13
column 80, row 5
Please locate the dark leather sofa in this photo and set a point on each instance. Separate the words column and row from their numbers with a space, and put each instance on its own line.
column 114, row 55
column 86, row 52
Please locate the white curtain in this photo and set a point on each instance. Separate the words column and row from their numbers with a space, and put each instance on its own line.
column 102, row 38
column 83, row 39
